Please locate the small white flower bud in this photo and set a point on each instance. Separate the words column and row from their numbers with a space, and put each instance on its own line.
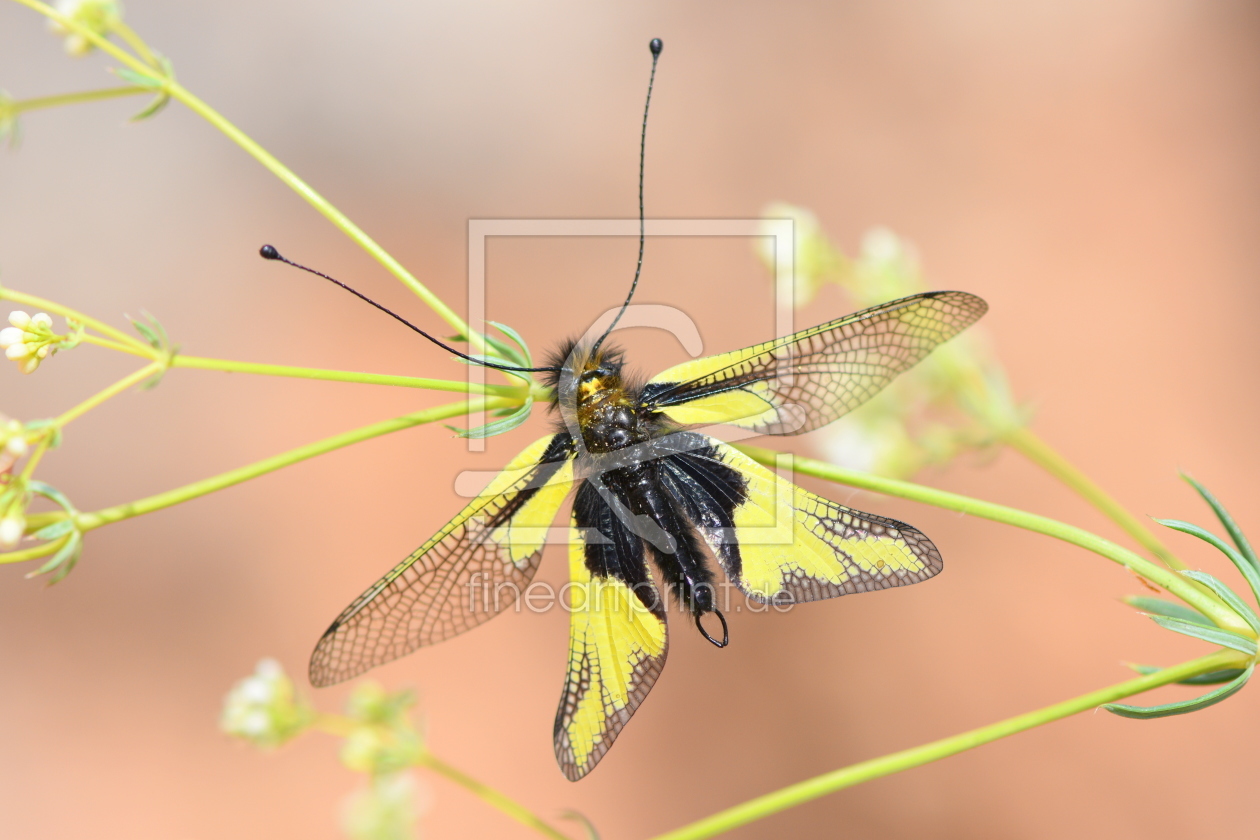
column 19, row 319
column 11, row 528
column 41, row 319
column 29, row 364
column 16, row 351
column 10, row 336
column 15, row 446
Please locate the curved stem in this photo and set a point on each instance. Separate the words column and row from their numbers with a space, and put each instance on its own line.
column 1211, row 607
column 801, row 792
column 1040, row 453
column 491, row 796
column 89, row 521
column 34, row 553
column 36, row 103
column 519, row 392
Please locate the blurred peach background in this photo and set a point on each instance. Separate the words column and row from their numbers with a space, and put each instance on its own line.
column 1090, row 169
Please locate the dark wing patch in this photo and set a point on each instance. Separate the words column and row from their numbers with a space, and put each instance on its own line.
column 780, row 543
column 806, row 380
column 464, row 575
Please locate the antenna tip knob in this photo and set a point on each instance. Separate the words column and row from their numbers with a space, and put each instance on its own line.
column 269, row 252
column 656, row 46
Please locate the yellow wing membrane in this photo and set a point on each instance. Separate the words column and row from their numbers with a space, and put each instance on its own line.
column 806, row 380
column 471, row 569
column 617, row 641
column 780, row 543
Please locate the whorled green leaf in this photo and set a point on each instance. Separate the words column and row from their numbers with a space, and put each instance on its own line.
column 1242, row 563
column 1184, row 707
column 52, row 494
column 498, row 427
column 1235, row 533
column 152, row 331
column 525, row 356
column 1158, row 606
column 1227, row 595
column 58, row 529
column 1210, row 678
column 1213, row 635
column 63, row 561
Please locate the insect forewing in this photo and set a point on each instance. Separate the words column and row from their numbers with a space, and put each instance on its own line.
column 806, row 380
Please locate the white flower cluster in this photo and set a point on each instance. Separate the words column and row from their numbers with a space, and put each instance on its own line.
column 99, row 16
column 29, row 340
column 261, row 707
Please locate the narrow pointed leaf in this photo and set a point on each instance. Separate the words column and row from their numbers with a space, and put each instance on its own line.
column 1158, row 606
column 52, row 493
column 55, row 530
column 515, row 336
column 1244, row 565
column 1213, row 635
column 1210, row 678
column 498, row 427
column 63, row 561
column 1235, row 533
column 1227, row 595
column 1184, row 707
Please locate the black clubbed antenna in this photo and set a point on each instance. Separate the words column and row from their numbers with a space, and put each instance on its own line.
column 655, row 46
column 268, row 252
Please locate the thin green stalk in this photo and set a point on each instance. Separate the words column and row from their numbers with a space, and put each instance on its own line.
column 178, row 92
column 113, row 390
column 34, row 553
column 518, row 392
column 22, row 105
column 1211, row 607
column 66, row 312
column 88, row 338
column 810, row 789
column 89, row 521
column 1043, row 455
column 136, row 43
column 491, row 796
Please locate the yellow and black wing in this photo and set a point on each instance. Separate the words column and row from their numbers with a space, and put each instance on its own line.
column 465, row 574
column 617, row 635
column 782, row 544
column 806, row 380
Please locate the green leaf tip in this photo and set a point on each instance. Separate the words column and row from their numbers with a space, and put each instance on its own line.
column 1159, row 606
column 1212, row 635
column 1185, row 706
column 498, row 427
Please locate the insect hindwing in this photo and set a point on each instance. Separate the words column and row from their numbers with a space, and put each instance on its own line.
column 461, row 577
column 617, row 635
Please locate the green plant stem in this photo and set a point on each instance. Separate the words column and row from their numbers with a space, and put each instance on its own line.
column 178, row 92
column 95, row 519
column 518, row 392
column 113, row 390
column 34, row 553
column 88, row 338
column 36, row 456
column 1211, row 607
column 66, row 312
column 1043, row 455
column 36, row 103
column 490, row 796
column 801, row 792
column 136, row 43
